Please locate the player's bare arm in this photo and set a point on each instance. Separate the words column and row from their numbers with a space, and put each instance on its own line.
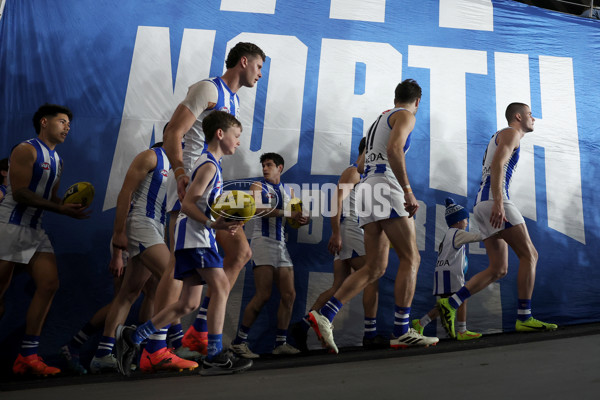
column 348, row 179
column 204, row 175
column 21, row 168
column 137, row 172
column 200, row 97
column 402, row 123
column 508, row 140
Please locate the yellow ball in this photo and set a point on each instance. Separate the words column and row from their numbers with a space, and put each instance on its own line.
column 79, row 193
column 234, row 205
column 295, row 204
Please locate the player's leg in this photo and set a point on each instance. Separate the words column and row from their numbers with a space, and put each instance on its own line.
column 219, row 361
column 43, row 270
column 402, row 234
column 420, row 324
column 497, row 251
column 462, row 333
column 134, row 279
column 263, row 283
column 6, row 273
column 517, row 237
column 377, row 252
column 284, row 280
column 237, row 253
column 371, row 339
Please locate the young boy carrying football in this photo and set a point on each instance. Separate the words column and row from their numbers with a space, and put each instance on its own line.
column 196, row 256
column 270, row 259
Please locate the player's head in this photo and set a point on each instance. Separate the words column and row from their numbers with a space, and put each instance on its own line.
column 456, row 215
column 246, row 59
column 272, row 165
column 520, row 113
column 218, row 120
column 3, row 171
column 362, row 145
column 243, row 49
column 48, row 111
column 407, row 92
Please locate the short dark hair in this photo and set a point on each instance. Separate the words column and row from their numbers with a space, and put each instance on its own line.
column 407, row 91
column 49, row 110
column 276, row 158
column 362, row 145
column 4, row 164
column 243, row 49
column 514, row 109
column 157, row 144
column 218, row 120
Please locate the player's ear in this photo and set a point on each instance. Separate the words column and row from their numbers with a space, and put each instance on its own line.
column 219, row 134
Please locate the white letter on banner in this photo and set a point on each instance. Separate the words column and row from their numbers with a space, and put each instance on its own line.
column 467, row 14
column 150, row 99
column 250, row 6
column 283, row 109
column 358, row 10
column 556, row 132
column 337, row 103
column 448, row 136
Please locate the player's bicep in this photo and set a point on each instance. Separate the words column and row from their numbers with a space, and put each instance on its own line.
column 204, row 174
column 21, row 167
column 402, row 123
column 201, row 96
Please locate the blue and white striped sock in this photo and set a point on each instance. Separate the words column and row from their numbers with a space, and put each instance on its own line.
column 401, row 320
column 175, row 335
column 242, row 335
column 29, row 345
column 459, row 297
column 281, row 337
column 82, row 336
column 105, row 347
column 200, row 323
column 331, row 309
column 157, row 340
column 524, row 312
column 370, row 328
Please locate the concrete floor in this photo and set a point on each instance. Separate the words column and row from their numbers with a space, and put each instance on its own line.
column 563, row 365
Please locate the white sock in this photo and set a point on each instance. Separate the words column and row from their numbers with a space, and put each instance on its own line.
column 461, row 326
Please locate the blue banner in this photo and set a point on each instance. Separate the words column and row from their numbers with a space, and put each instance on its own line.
column 332, row 67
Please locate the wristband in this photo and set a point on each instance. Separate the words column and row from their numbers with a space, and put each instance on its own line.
column 405, row 186
column 180, row 174
column 208, row 224
column 119, row 247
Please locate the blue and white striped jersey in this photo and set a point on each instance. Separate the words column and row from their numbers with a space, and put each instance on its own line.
column 193, row 140
column 150, row 199
column 276, row 196
column 485, row 189
column 376, row 158
column 46, row 173
column 189, row 233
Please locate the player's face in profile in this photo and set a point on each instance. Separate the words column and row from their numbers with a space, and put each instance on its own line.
column 270, row 170
column 527, row 120
column 231, row 139
column 253, row 71
column 57, row 127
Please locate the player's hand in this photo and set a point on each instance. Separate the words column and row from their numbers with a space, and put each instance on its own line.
column 498, row 216
column 116, row 263
column 335, row 243
column 298, row 216
column 230, row 226
column 410, row 204
column 76, row 211
column 182, row 187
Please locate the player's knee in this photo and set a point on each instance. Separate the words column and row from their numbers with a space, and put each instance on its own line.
column 288, row 298
column 262, row 296
column 376, row 272
column 48, row 287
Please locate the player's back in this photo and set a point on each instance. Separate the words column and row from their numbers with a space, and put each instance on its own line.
column 150, row 199
column 376, row 157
